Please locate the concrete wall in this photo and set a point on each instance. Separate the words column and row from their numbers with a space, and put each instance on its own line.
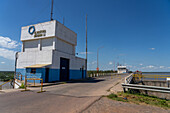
column 34, row 57
column 53, row 29
column 31, row 45
column 66, row 34
column 47, row 44
column 121, row 71
column 158, row 83
column 50, row 28
column 65, row 47
column 75, row 62
column 58, row 41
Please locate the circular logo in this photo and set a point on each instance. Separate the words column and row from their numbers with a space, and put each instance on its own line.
column 31, row 30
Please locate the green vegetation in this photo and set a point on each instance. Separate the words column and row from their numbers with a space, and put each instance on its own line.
column 22, row 86
column 94, row 71
column 140, row 99
column 6, row 75
column 106, row 71
column 115, row 97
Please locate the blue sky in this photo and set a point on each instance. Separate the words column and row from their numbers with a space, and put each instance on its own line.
column 135, row 33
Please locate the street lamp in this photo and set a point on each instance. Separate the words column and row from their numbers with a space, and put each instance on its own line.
column 98, row 57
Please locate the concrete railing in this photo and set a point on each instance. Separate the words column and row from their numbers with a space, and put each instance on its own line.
column 102, row 74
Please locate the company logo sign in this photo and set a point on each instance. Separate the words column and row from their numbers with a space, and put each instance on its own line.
column 40, row 33
column 31, row 30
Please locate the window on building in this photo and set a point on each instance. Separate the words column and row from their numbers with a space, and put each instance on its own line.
column 33, row 70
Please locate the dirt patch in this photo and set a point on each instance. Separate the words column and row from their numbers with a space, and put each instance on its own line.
column 105, row 105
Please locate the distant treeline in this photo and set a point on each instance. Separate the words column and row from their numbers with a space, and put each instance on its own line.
column 6, row 75
column 106, row 71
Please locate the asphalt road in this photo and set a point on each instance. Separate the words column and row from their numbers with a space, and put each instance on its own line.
column 73, row 97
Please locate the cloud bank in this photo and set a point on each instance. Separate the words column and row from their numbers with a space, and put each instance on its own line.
column 6, row 42
column 7, row 47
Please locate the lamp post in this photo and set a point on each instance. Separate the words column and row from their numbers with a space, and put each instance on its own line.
column 98, row 58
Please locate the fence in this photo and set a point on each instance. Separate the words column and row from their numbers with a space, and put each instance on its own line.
column 150, row 77
column 9, row 83
column 106, row 74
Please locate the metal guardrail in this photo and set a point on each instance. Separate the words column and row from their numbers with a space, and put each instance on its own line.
column 4, row 84
column 146, row 88
column 128, row 79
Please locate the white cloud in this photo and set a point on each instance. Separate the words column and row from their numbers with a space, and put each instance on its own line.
column 2, row 62
column 93, row 62
column 9, row 54
column 161, row 67
column 141, row 64
column 169, row 67
column 8, row 43
column 150, row 66
column 152, row 48
column 110, row 63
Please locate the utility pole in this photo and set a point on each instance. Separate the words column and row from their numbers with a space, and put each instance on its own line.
column 16, row 57
column 63, row 20
column 86, row 45
column 98, row 58
column 52, row 10
column 114, row 66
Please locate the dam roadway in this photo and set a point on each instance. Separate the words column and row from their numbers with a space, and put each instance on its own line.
column 64, row 98
column 72, row 97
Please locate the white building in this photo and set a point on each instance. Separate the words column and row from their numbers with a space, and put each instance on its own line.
column 48, row 51
column 122, row 69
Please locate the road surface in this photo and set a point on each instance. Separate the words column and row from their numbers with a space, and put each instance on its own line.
column 73, row 97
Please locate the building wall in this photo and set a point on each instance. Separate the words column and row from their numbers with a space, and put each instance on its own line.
column 122, row 71
column 50, row 28
column 65, row 47
column 34, row 57
column 47, row 44
column 31, row 45
column 75, row 65
column 59, row 41
column 53, row 29
column 65, row 34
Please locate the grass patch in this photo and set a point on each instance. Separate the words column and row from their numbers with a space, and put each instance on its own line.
column 140, row 99
column 115, row 97
column 22, row 86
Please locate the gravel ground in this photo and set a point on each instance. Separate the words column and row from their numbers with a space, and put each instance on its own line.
column 105, row 105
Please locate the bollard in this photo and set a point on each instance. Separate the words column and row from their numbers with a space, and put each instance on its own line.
column 41, row 85
column 34, row 82
column 25, row 83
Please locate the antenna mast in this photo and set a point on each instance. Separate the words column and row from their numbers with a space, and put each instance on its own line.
column 52, row 10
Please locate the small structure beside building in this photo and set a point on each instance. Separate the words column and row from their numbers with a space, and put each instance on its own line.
column 48, row 52
column 122, row 69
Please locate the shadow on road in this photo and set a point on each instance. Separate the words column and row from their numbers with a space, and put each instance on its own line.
column 87, row 80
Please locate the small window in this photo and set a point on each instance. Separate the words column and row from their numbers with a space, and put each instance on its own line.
column 33, row 71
